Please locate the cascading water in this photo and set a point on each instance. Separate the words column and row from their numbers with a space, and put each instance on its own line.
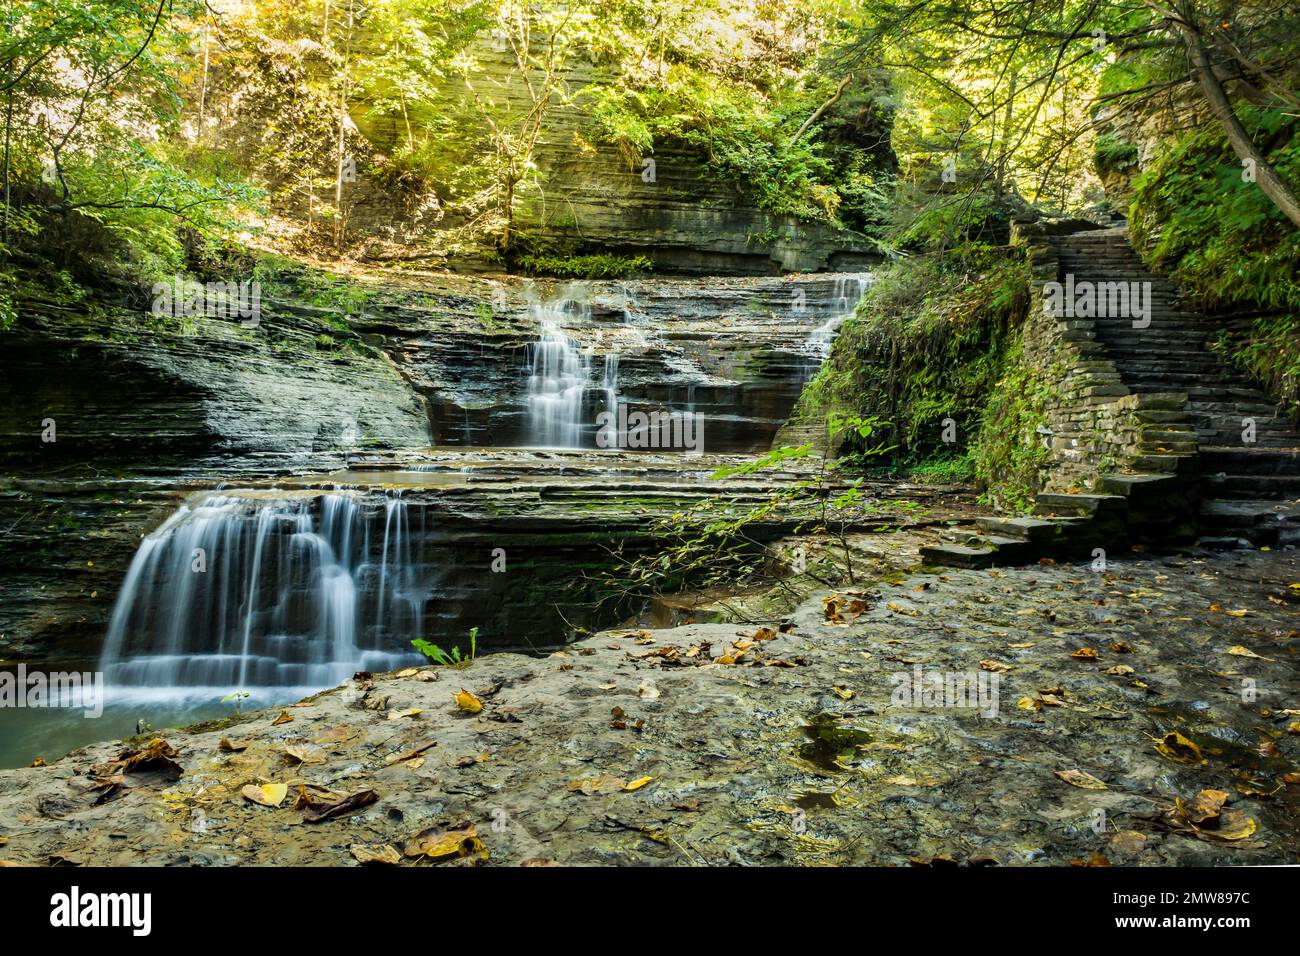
column 282, row 595
column 848, row 291
column 560, row 377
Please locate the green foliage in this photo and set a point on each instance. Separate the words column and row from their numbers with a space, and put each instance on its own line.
column 928, row 342
column 600, row 266
column 1010, row 454
column 1111, row 152
column 1222, row 240
column 452, row 658
column 746, row 137
column 718, row 543
column 1268, row 351
column 944, row 470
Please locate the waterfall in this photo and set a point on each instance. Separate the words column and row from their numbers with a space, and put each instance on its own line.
column 257, row 592
column 845, row 295
column 560, row 376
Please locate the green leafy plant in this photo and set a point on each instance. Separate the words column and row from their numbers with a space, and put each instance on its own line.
column 452, row 658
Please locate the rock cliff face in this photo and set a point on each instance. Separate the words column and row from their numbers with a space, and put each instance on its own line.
column 734, row 350
column 147, row 411
column 126, row 389
column 586, row 194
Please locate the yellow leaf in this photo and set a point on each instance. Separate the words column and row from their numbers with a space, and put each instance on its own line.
column 1080, row 779
column 601, row 784
column 267, row 795
column 375, row 854
column 1085, row 653
column 1239, row 651
column 468, row 702
column 996, row 667
column 637, row 784
column 441, row 844
column 843, row 693
column 1177, row 747
column 413, row 712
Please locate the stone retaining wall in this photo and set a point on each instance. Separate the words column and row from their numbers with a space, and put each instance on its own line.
column 1096, row 422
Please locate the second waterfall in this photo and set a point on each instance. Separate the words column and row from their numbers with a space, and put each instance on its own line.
column 561, row 377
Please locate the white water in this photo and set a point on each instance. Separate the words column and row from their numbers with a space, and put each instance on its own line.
column 235, row 594
column 561, row 376
column 848, row 291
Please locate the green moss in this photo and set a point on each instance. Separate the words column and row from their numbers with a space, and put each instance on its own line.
column 1010, row 455
column 924, row 351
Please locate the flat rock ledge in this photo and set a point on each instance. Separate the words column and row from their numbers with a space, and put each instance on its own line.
column 786, row 746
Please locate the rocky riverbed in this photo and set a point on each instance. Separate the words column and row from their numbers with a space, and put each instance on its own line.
column 1147, row 713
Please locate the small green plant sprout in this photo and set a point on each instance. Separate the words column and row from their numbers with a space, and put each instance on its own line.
column 238, row 697
column 452, row 658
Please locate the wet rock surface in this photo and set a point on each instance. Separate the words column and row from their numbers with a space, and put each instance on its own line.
column 785, row 745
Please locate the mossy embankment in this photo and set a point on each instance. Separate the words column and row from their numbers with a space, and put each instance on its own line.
column 934, row 351
column 1198, row 215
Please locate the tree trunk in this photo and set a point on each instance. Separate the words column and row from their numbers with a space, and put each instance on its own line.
column 9, row 115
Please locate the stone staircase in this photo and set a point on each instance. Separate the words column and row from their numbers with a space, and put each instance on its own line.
column 1193, row 471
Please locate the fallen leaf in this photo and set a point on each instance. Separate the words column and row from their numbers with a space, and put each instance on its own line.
column 637, row 784
column 843, row 693
column 1177, row 747
column 996, row 667
column 317, row 812
column 230, row 747
column 409, row 754
column 1080, row 779
column 468, row 702
column 304, row 754
column 437, row 844
column 376, row 854
column 1085, row 653
column 284, row 718
column 412, row 712
column 601, row 784
column 1239, row 651
column 267, row 794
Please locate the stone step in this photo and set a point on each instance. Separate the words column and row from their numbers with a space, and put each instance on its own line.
column 1081, row 505
column 1264, row 523
column 1226, row 437
column 958, row 556
column 1147, row 486
column 1249, row 461
column 1165, row 463
column 1037, row 530
column 1253, row 486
